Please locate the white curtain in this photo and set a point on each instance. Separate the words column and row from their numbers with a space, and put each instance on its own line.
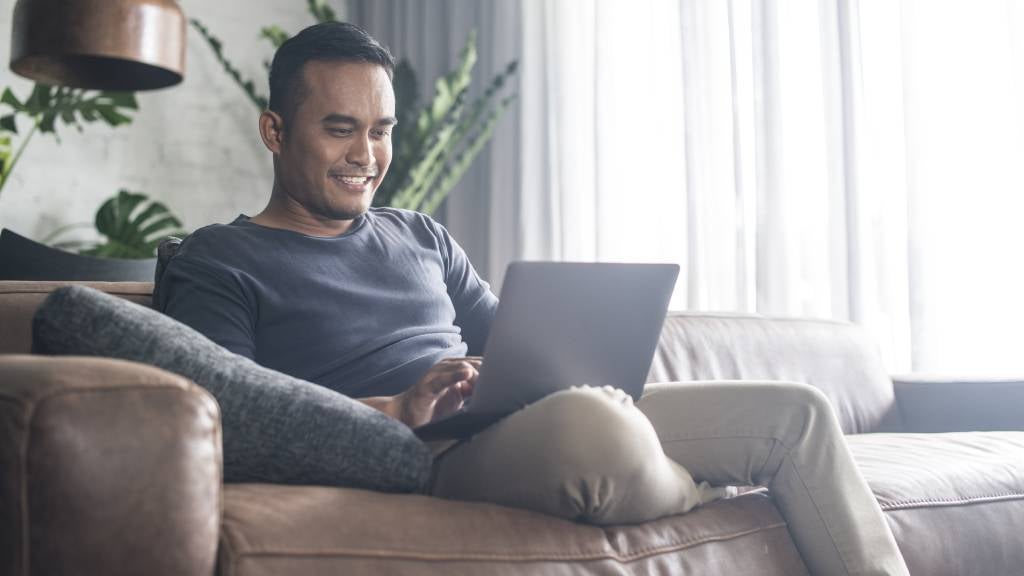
column 962, row 71
column 849, row 159
column 721, row 135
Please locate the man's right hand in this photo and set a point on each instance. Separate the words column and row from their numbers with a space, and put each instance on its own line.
column 439, row 392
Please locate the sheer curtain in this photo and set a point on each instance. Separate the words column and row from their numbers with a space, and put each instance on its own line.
column 721, row 135
column 963, row 88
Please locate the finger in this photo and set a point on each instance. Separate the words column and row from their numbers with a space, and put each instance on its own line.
column 470, row 359
column 450, row 401
column 462, row 368
column 438, row 380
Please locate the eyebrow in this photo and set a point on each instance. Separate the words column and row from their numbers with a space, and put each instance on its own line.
column 346, row 119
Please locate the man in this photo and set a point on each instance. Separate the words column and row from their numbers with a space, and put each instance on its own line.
column 383, row 305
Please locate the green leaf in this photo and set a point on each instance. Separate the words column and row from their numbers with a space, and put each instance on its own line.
column 10, row 99
column 44, row 94
column 112, row 117
column 5, row 155
column 454, row 172
column 47, row 121
column 7, row 123
column 133, row 226
column 121, row 99
column 321, row 11
column 275, row 34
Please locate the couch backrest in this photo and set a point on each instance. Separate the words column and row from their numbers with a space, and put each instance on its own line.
column 19, row 300
column 838, row 358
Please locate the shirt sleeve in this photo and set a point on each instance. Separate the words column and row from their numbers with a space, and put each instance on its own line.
column 212, row 301
column 475, row 304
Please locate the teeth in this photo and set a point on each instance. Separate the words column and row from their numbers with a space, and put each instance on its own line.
column 355, row 179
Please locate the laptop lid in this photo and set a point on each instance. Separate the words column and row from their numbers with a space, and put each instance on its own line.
column 564, row 324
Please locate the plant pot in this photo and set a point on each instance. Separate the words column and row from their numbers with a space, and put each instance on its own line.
column 25, row 259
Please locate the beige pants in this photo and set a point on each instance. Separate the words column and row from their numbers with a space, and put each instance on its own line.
column 588, row 454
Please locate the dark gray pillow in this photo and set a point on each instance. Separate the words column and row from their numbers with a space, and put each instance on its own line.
column 277, row 429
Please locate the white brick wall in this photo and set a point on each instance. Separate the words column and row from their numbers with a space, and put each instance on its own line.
column 194, row 146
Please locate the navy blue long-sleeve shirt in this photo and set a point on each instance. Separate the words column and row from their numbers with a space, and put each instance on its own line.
column 366, row 313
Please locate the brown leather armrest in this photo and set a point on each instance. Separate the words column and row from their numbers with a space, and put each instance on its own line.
column 106, row 467
column 936, row 404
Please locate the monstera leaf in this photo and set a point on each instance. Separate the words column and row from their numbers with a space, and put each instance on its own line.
column 133, row 226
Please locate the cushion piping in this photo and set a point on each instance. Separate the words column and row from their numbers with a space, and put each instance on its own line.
column 490, row 557
column 945, row 502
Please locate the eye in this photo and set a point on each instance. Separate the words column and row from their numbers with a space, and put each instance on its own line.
column 381, row 132
column 339, row 131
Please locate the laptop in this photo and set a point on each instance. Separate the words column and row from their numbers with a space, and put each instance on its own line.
column 559, row 325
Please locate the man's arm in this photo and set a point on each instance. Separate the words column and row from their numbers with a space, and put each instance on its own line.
column 212, row 301
column 475, row 304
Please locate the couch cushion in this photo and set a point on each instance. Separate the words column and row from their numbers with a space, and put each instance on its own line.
column 838, row 358
column 276, row 428
column 19, row 300
column 313, row 531
column 955, row 502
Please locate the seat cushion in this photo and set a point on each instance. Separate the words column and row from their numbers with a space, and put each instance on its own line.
column 955, row 502
column 319, row 531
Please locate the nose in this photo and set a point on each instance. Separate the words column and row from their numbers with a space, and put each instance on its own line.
column 358, row 153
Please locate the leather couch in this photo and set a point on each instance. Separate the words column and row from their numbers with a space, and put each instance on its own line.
column 109, row 468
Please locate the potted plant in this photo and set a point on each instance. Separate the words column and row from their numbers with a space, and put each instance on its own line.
column 129, row 223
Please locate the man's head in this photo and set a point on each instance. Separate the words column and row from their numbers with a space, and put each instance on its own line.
column 329, row 120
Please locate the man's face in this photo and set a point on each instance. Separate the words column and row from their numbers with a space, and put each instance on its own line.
column 336, row 146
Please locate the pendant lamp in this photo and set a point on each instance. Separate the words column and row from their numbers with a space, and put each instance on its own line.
column 120, row 45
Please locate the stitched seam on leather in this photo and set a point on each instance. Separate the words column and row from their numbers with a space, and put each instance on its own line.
column 470, row 557
column 218, row 448
column 18, row 290
column 949, row 502
column 224, row 543
column 29, row 413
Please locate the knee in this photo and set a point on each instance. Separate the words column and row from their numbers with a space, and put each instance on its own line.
column 805, row 407
column 598, row 430
column 603, row 458
column 796, row 395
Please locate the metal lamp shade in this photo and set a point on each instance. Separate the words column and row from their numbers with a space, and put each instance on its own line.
column 121, row 45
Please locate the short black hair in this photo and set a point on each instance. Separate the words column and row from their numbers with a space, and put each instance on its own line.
column 324, row 41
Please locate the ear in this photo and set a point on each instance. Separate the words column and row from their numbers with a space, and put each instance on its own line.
column 272, row 130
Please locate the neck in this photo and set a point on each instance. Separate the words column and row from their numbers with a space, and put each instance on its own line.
column 285, row 213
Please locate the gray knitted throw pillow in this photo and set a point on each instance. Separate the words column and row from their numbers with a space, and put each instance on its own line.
column 276, row 428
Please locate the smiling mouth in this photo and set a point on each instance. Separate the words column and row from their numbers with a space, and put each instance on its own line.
column 353, row 180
